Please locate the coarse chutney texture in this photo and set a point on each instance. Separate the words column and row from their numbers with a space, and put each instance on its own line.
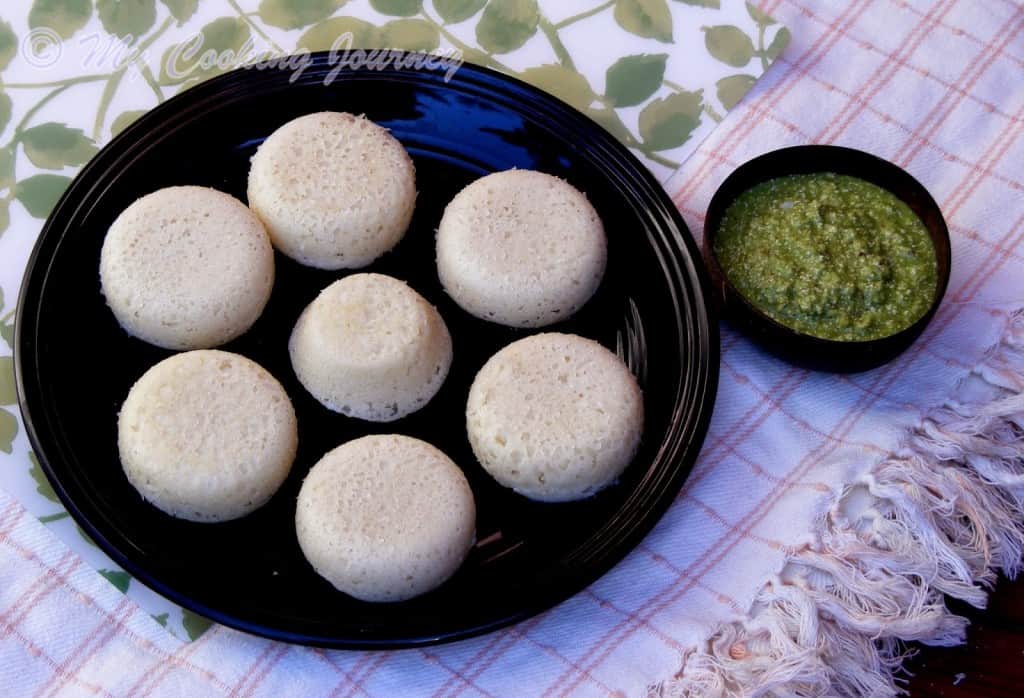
column 829, row 255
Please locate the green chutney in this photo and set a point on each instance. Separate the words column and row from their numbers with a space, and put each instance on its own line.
column 829, row 255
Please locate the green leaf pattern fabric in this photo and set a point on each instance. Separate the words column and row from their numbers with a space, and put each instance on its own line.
column 65, row 17
column 181, row 10
column 657, row 74
column 507, row 24
column 53, row 146
column 455, row 11
column 8, row 44
column 647, row 18
column 632, row 79
column 289, row 14
column 127, row 18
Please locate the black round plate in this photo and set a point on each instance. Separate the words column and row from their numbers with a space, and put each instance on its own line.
column 75, row 365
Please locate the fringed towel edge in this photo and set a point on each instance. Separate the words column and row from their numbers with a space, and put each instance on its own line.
column 941, row 516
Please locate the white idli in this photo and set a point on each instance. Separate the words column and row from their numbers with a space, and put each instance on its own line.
column 334, row 190
column 207, row 435
column 370, row 347
column 187, row 268
column 521, row 248
column 556, row 417
column 385, row 518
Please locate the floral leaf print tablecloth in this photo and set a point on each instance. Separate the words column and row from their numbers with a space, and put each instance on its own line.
column 658, row 74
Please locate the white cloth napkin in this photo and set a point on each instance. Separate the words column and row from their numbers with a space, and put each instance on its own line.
column 930, row 86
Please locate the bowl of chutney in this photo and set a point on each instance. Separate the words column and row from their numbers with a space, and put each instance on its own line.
column 829, row 257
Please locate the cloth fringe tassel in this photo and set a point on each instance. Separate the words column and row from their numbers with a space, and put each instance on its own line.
column 939, row 517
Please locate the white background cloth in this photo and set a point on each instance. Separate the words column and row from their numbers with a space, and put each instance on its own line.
column 933, row 86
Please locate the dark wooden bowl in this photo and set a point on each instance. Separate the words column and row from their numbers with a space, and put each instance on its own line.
column 789, row 344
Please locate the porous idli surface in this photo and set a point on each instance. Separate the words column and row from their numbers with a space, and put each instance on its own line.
column 207, row 435
column 187, row 268
column 555, row 417
column 335, row 191
column 521, row 248
column 371, row 347
column 385, row 518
